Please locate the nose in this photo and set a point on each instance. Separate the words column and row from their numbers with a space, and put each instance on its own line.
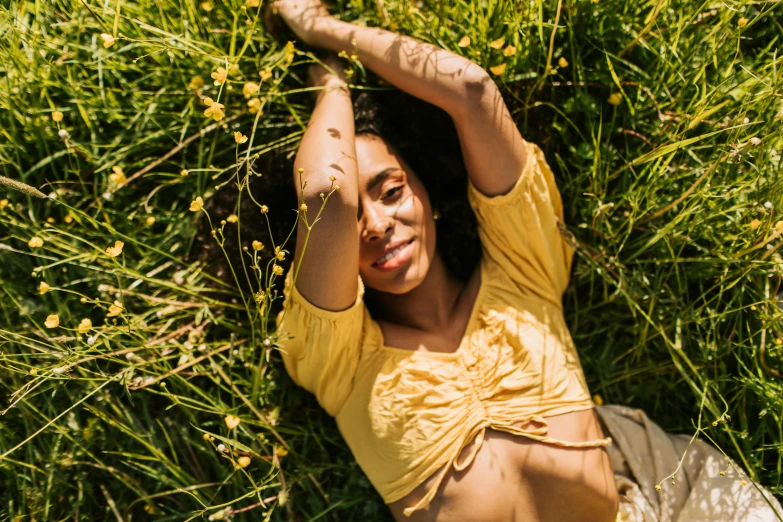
column 377, row 223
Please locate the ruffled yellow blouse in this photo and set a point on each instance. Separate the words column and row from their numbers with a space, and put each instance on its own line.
column 403, row 413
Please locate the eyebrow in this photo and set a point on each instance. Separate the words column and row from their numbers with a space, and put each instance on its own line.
column 377, row 179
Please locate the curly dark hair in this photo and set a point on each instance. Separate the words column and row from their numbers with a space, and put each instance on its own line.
column 419, row 132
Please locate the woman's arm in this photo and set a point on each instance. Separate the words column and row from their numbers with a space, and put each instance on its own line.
column 328, row 276
column 492, row 146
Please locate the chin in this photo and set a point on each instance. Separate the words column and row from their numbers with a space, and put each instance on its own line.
column 398, row 283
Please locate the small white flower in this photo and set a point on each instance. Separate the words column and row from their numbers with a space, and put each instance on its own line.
column 755, row 141
column 91, row 340
column 267, row 342
column 221, row 448
column 768, row 205
column 53, row 195
column 59, row 370
column 746, row 121
column 108, row 195
column 63, row 133
column 202, row 348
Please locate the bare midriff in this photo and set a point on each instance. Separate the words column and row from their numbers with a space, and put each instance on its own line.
column 513, row 478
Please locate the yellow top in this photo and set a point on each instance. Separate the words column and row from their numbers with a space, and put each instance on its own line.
column 403, row 413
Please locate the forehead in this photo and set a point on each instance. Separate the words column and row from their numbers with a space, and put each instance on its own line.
column 373, row 155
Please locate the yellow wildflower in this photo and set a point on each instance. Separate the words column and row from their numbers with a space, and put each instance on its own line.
column 249, row 89
column 742, row 22
column 615, row 98
column 231, row 421
column 657, row 486
column 243, row 461
column 464, row 41
column 303, row 207
column 207, row 6
column 779, row 226
column 279, row 255
column 743, row 482
column 150, row 221
column 220, row 76
column 510, row 50
column 259, row 296
column 258, row 245
column 233, row 218
column 498, row 69
column 755, row 224
column 562, row 62
column 277, row 270
column 3, row 203
column 264, row 209
column 52, row 321
column 108, row 40
column 332, row 178
column 254, row 106
column 265, row 74
column 57, row 116
column 289, row 52
column 598, row 400
column 197, row 204
column 118, row 176
column 43, row 288
column 35, row 242
column 84, row 326
column 239, row 137
column 214, row 109
column 50, row 219
column 116, row 250
column 68, row 219
column 115, row 309
column 183, row 172
column 253, row 3
column 197, row 82
column 497, row 44
column 281, row 451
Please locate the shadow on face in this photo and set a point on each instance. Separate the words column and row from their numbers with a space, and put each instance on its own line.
column 394, row 207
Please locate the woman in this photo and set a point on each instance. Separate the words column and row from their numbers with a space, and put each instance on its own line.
column 461, row 400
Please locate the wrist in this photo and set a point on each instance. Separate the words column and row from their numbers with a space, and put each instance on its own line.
column 331, row 87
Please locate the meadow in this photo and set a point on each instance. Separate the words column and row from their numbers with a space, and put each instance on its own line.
column 139, row 368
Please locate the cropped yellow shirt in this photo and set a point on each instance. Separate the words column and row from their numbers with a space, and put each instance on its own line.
column 403, row 413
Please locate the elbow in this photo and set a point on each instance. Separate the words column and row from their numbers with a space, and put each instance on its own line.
column 478, row 90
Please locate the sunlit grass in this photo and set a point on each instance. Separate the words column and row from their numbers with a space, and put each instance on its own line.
column 158, row 389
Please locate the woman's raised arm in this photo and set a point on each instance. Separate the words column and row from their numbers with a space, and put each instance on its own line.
column 329, row 273
column 492, row 147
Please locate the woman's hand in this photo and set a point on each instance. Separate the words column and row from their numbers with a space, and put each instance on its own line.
column 301, row 16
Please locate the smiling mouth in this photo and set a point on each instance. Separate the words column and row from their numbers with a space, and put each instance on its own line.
column 392, row 254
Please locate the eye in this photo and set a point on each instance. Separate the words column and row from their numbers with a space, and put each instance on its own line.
column 389, row 193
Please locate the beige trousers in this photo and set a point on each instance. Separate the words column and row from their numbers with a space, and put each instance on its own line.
column 642, row 454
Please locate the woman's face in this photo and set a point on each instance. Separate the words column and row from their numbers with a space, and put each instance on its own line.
column 393, row 207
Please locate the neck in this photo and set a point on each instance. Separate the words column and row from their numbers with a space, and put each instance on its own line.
column 429, row 307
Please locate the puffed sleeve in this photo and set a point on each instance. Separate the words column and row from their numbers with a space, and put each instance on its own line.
column 519, row 232
column 321, row 348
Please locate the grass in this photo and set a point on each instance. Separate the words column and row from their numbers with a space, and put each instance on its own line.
column 662, row 120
